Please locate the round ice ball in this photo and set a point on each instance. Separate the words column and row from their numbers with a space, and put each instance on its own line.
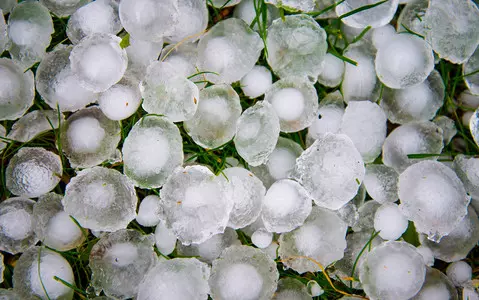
column 459, row 272
column 120, row 101
column 390, row 222
column 262, row 238
column 256, row 82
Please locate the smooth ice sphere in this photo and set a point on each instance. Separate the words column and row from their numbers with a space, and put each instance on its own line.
column 257, row 132
column 296, row 46
column 295, row 102
column 33, row 171
column 230, row 49
column 331, row 170
column 375, row 17
column 426, row 254
column 149, row 212
column 285, row 206
column 100, row 16
column 119, row 262
column 406, row 60
column 30, row 27
column 459, row 272
column 412, row 17
column 88, row 138
column 291, row 289
column 390, row 222
column 330, row 114
column 256, row 82
column 467, row 169
column 214, row 122
column 436, row 286
column 16, row 225
column 17, row 90
column 467, row 99
column 34, row 123
column 321, row 238
column 332, row 72
column 314, row 289
column 393, row 270
column 262, row 238
column 381, row 36
column 53, row 226
column 192, row 23
column 451, row 29
column 98, row 61
column 191, row 192
column 168, row 93
column 140, row 54
column 366, row 213
column 411, row 138
column 381, row 183
column 433, row 197
column 165, row 240
column 243, row 273
column 120, row 101
column 151, row 151
column 149, row 20
column 178, row 278
column 246, row 192
column 101, row 199
column 64, row 8
column 471, row 77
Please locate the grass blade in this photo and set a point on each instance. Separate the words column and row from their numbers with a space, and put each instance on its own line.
column 360, row 9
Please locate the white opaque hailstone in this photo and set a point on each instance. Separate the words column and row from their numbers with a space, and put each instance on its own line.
column 257, row 133
column 119, row 262
column 95, row 17
column 256, row 82
column 191, row 24
column 390, row 222
column 178, row 278
column 412, row 17
column 295, row 102
column 214, row 122
column 459, row 272
column 64, row 8
column 165, row 240
column 120, row 101
column 243, row 273
column 98, row 61
column 291, row 289
column 151, row 151
column 381, row 36
column 411, row 138
column 16, row 225
column 296, row 46
column 469, row 67
column 285, row 206
column 314, row 289
column 262, row 238
column 149, row 212
column 33, row 172
column 381, row 183
column 437, row 286
column 427, row 255
column 331, row 170
column 35, row 271
column 34, row 123
column 140, row 54
column 101, row 199
column 405, row 61
column 375, row 17
column 467, row 99
column 433, row 197
column 332, row 72
column 467, row 169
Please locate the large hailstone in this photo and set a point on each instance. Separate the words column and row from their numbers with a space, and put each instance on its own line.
column 451, row 29
column 257, row 132
column 433, row 197
column 331, row 170
column 375, row 17
column 330, row 114
column 469, row 67
column 178, row 278
column 35, row 272
column 291, row 289
column 412, row 17
column 101, row 199
column 16, row 225
column 295, row 102
column 88, row 138
column 191, row 24
column 467, row 169
column 18, row 90
column 296, row 46
column 64, row 8
column 214, row 122
column 119, row 261
column 151, row 151
column 364, row 122
column 381, row 183
column 243, row 273
column 165, row 92
column 98, row 61
column 33, row 171
column 30, row 28
column 57, row 84
column 230, row 49
column 120, row 101
column 436, row 286
column 34, row 123
column 53, row 226
column 195, row 205
column 322, row 237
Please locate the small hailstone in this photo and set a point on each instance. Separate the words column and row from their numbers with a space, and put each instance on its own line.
column 314, row 289
column 366, row 213
column 448, row 127
column 256, row 82
column 243, row 273
column 427, row 255
column 390, row 222
column 291, row 289
column 191, row 24
column 165, row 240
column 262, row 238
column 467, row 169
column 120, row 101
column 459, row 272
column 381, row 183
column 16, row 225
column 149, row 212
column 295, row 102
column 381, row 36
column 466, row 119
column 412, row 17
column 436, row 286
column 257, row 132
column 34, row 123
column 375, row 17
column 64, row 8
column 140, row 54
column 119, row 261
column 467, row 99
column 470, row 66
column 330, row 114
column 33, row 171
column 332, row 72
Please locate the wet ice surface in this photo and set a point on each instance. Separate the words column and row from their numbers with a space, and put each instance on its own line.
column 165, row 240
column 256, row 82
column 381, row 183
column 33, row 124
column 291, row 289
column 140, row 54
column 375, row 17
column 469, row 67
column 245, row 10
column 7, row 5
column 390, row 222
column 64, row 8
column 436, row 286
column 330, row 114
column 333, row 71
column 466, row 169
column 459, row 272
column 294, row 5
column 120, row 101
column 3, row 32
column 149, row 211
column 412, row 17
column 192, row 22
